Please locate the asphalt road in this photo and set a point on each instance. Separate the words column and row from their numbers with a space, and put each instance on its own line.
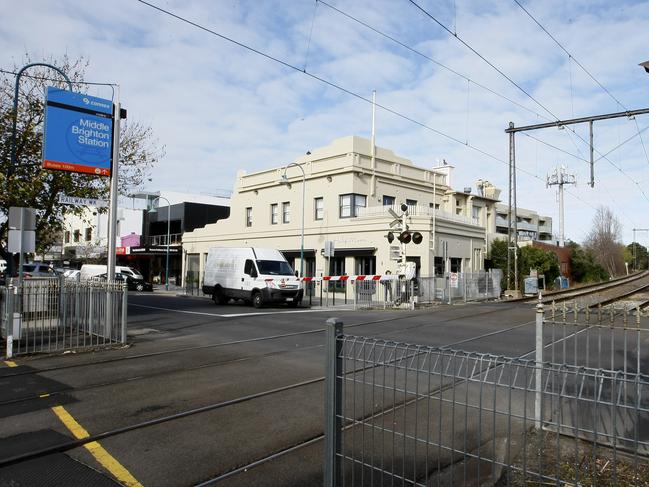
column 188, row 353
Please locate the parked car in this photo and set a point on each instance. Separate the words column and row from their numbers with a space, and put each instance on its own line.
column 132, row 283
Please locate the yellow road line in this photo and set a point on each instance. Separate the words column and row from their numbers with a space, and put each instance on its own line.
column 10, row 363
column 97, row 451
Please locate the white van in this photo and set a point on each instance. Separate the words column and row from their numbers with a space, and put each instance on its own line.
column 256, row 275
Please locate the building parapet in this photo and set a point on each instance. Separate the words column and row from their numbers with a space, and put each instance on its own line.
column 417, row 210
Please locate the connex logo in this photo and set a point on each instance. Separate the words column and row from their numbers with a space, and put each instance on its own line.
column 85, row 100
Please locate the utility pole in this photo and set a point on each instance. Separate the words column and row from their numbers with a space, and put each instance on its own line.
column 559, row 178
column 512, row 215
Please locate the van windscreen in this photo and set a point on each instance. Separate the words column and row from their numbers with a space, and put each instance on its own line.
column 274, row 267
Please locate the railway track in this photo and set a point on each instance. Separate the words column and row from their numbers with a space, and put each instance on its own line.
column 600, row 294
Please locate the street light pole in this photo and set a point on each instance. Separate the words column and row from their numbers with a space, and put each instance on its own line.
column 153, row 210
column 284, row 180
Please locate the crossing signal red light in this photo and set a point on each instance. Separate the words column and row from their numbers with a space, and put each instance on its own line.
column 405, row 237
column 390, row 237
column 417, row 238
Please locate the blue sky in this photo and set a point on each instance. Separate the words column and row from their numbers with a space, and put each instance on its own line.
column 219, row 108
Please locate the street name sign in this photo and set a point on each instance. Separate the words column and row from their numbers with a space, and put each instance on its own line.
column 74, row 201
column 78, row 133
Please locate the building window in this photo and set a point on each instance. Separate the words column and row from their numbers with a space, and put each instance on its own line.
column 274, row 214
column 249, row 216
column 365, row 265
column 411, row 203
column 88, row 234
column 350, row 203
column 318, row 206
column 434, row 206
column 67, row 237
column 388, row 200
column 77, row 235
column 286, row 212
column 476, row 213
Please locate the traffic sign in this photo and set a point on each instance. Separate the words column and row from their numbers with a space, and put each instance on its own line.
column 78, row 133
column 454, row 279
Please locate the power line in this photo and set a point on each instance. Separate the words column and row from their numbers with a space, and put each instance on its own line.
column 570, row 55
column 504, row 75
column 322, row 80
column 497, row 69
column 580, row 158
column 343, row 89
column 428, row 58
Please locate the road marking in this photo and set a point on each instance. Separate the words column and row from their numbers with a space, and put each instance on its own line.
column 96, row 450
column 10, row 363
column 229, row 315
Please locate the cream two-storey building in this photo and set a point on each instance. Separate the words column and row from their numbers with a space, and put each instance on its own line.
column 348, row 192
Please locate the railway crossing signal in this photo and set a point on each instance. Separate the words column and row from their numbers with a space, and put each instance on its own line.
column 405, row 236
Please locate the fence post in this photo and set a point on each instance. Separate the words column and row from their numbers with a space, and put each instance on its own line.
column 333, row 402
column 464, row 284
column 124, row 311
column 539, row 365
column 9, row 320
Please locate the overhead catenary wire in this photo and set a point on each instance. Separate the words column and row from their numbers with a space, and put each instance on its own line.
column 508, row 78
column 344, row 90
column 323, row 80
column 474, row 51
column 349, row 92
column 432, row 60
column 619, row 103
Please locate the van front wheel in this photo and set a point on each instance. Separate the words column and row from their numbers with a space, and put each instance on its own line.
column 257, row 300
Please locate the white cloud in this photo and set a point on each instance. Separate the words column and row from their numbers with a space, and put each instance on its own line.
column 218, row 107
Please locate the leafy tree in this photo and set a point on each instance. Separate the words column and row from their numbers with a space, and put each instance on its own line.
column 584, row 266
column 545, row 262
column 31, row 186
column 638, row 259
column 498, row 258
column 604, row 241
column 498, row 254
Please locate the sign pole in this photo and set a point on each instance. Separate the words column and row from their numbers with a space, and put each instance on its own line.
column 112, row 209
column 20, row 250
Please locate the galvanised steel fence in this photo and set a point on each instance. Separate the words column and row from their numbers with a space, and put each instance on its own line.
column 407, row 293
column 403, row 414
column 610, row 337
column 461, row 286
column 49, row 315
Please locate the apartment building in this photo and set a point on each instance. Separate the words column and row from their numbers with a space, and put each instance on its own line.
column 530, row 225
column 348, row 195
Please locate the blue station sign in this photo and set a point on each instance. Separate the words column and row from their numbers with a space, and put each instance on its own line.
column 78, row 133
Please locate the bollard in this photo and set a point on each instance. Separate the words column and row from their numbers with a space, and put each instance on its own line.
column 124, row 312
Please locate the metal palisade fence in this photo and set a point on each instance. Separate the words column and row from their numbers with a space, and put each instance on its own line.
column 49, row 315
column 403, row 414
